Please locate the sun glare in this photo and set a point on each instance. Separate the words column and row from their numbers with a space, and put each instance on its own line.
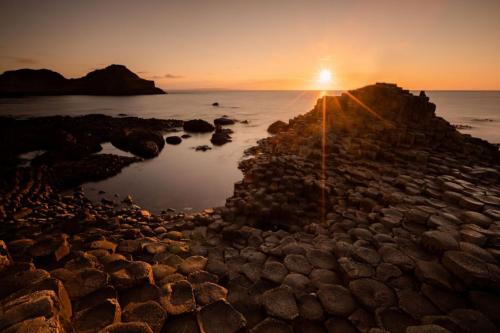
column 325, row 77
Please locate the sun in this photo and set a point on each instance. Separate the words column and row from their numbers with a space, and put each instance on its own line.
column 325, row 77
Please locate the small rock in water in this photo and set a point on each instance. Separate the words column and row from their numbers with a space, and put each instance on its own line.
column 202, row 148
column 173, row 140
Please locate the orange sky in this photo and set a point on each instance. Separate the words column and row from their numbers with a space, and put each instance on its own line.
column 261, row 44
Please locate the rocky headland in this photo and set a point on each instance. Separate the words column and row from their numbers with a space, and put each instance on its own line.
column 112, row 80
column 367, row 214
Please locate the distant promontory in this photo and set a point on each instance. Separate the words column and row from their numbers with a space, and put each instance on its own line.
column 112, row 80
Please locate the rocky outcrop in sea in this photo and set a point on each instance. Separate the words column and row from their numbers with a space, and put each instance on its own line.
column 366, row 214
column 112, row 80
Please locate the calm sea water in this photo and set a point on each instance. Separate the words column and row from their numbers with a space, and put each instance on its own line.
column 185, row 179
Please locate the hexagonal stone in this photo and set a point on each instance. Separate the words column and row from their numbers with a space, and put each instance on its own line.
column 95, row 318
column 429, row 328
column 208, row 292
column 444, row 300
column 132, row 327
column 220, row 317
column 340, row 325
column 149, row 312
column 40, row 303
column 477, row 218
column 366, row 255
column 386, row 271
column 469, row 268
column 321, row 259
column 129, row 274
column 309, row 307
column 280, row 302
column 488, row 303
column 393, row 255
column 336, row 300
column 433, row 273
column 478, row 252
column 354, row 269
column 470, row 203
column 394, row 320
column 320, row 276
column 50, row 248
column 184, row 323
column 271, row 325
column 274, row 271
column 438, row 241
column 81, row 283
column 297, row 263
column 193, row 264
column 139, row 294
column 472, row 321
column 415, row 304
column 202, row 276
column 178, row 298
column 372, row 294
column 298, row 282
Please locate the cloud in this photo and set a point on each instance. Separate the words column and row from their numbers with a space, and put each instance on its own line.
column 172, row 76
column 21, row 60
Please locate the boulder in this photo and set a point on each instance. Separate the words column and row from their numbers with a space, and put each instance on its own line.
column 143, row 143
column 198, row 126
column 277, row 127
column 223, row 121
column 173, row 140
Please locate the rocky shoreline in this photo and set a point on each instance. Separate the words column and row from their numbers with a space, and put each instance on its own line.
column 366, row 214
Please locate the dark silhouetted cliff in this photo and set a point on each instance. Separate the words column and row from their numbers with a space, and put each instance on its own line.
column 112, row 80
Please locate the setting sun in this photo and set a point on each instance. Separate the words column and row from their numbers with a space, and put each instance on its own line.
column 325, row 77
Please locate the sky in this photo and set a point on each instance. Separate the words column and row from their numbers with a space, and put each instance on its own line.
column 261, row 44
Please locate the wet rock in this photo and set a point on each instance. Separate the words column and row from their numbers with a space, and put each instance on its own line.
column 223, row 121
column 220, row 137
column 173, row 140
column 203, row 148
column 198, row 126
column 146, row 144
column 336, row 300
column 280, row 302
column 372, row 294
column 220, row 317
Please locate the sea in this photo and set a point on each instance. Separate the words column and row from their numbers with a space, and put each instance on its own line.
column 184, row 179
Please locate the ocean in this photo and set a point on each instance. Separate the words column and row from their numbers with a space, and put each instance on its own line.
column 184, row 179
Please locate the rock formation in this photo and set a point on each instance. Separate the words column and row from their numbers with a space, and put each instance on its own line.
column 112, row 80
column 368, row 214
